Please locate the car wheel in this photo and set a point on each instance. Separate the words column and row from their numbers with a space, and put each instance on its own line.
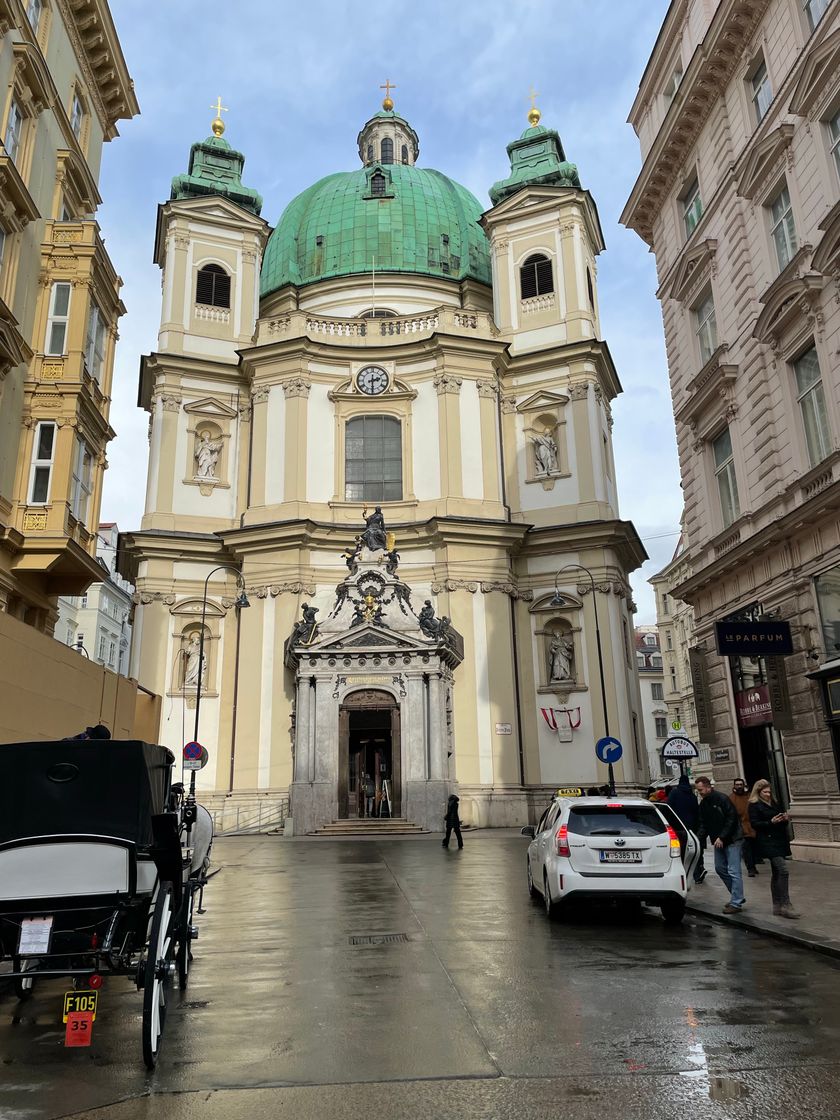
column 532, row 890
column 551, row 907
column 673, row 911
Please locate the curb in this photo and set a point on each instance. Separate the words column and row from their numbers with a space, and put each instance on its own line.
column 828, row 948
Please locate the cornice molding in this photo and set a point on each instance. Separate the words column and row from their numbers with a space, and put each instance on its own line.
column 94, row 38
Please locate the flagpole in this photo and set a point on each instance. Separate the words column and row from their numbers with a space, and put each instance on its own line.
column 373, row 286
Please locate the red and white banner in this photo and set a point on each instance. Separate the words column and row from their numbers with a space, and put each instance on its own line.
column 562, row 720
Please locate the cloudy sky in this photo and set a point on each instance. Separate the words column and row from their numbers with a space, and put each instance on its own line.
column 301, row 79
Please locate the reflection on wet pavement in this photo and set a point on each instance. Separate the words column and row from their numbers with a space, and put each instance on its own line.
column 354, row 978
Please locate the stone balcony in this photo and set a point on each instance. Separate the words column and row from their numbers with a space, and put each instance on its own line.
column 373, row 332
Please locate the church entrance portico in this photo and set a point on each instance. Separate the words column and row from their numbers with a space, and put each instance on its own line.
column 369, row 755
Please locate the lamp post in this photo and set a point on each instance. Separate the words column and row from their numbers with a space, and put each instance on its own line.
column 558, row 601
column 241, row 601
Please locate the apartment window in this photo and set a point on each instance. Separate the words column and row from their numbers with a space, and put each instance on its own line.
column 373, row 459
column 783, row 231
column 95, row 342
column 77, row 116
column 101, row 651
column 705, row 326
column 650, row 639
column 762, row 92
column 112, row 654
column 42, row 462
column 670, row 91
column 726, row 480
column 692, row 206
column 82, row 485
column 57, row 321
column 673, row 679
column 815, row 10
column 669, row 637
column 656, row 661
column 2, row 244
column 811, row 397
column 656, row 691
column 536, row 277
column 33, row 13
column 661, row 727
column 212, row 286
column 834, row 134
column 664, row 603
column 14, row 129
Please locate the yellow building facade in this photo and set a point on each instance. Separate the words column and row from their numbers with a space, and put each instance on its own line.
column 389, row 420
column 64, row 86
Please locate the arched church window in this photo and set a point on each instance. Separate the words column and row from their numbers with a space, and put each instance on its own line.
column 536, row 276
column 377, row 184
column 404, row 153
column 378, row 313
column 370, row 152
column 212, row 286
column 387, row 150
column 590, row 289
column 373, row 459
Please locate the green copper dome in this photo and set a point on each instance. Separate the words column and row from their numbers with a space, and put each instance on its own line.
column 415, row 221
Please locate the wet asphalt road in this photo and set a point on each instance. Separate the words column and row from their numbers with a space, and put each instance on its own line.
column 484, row 1010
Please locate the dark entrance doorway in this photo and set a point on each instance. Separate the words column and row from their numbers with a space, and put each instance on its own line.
column 369, row 748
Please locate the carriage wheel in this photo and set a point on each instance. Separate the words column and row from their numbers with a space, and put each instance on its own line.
column 183, row 954
column 23, row 986
column 157, row 975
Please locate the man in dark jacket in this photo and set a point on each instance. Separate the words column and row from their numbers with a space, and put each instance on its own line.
column 683, row 800
column 453, row 822
column 719, row 821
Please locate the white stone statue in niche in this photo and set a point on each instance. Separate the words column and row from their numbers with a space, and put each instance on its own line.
column 207, row 453
column 194, row 658
column 561, row 652
column 545, row 454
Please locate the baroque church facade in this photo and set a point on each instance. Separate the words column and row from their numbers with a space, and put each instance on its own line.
column 388, row 420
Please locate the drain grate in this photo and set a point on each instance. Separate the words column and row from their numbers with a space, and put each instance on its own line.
column 379, row 939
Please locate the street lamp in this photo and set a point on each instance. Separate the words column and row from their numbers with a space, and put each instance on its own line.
column 557, row 601
column 241, row 601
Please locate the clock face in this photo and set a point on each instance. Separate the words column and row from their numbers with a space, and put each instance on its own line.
column 372, row 380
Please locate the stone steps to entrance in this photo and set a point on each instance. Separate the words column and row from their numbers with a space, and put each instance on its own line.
column 374, row 826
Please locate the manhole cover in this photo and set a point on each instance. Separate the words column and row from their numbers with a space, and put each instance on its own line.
column 378, row 938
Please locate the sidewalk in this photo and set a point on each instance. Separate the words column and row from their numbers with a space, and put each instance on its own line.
column 814, row 891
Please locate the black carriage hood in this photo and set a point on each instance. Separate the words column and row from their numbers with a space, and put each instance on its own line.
column 107, row 788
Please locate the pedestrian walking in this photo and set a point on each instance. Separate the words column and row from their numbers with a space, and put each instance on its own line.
column 740, row 798
column 770, row 824
column 683, row 800
column 370, row 795
column 719, row 821
column 452, row 822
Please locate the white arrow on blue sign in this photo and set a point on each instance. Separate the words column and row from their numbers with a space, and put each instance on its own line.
column 608, row 749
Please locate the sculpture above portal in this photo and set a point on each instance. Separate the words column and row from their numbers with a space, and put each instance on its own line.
column 374, row 537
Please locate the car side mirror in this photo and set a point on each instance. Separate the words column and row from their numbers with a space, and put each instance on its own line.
column 528, row 830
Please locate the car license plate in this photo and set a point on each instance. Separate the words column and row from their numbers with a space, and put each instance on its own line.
column 621, row 857
column 34, row 936
column 80, row 1001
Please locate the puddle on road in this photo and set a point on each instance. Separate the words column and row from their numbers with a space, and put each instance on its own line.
column 720, row 1088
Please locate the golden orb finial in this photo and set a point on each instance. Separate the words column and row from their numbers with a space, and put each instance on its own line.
column 218, row 125
column 534, row 114
column 387, row 100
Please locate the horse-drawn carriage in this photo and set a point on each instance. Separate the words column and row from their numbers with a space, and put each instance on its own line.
column 101, row 859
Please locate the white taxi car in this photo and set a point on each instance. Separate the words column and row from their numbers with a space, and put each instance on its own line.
column 609, row 848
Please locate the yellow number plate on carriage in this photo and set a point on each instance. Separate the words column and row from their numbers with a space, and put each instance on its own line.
column 80, row 1001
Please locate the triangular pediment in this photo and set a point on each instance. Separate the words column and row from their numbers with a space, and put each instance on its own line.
column 219, row 207
column 367, row 636
column 763, row 161
column 692, row 271
column 818, row 80
column 207, row 406
column 543, row 400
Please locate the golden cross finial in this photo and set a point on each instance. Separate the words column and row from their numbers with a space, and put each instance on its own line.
column 387, row 101
column 218, row 124
column 533, row 113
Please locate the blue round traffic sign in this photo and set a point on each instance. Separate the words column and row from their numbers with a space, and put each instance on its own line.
column 608, row 749
column 192, row 751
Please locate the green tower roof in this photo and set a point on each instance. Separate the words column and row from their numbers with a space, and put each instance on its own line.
column 216, row 169
column 424, row 223
column 536, row 159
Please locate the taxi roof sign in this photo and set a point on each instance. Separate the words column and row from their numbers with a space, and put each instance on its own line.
column 570, row 791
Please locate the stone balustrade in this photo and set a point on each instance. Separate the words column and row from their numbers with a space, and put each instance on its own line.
column 371, row 332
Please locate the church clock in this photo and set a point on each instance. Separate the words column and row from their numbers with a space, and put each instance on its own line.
column 372, row 380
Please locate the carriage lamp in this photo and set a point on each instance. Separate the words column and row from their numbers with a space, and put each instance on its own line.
column 241, row 600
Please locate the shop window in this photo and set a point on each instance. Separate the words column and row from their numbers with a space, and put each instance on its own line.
column 827, row 586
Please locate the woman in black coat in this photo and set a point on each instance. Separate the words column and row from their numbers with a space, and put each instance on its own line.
column 771, row 838
column 453, row 821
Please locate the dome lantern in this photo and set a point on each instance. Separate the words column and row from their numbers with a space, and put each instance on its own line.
column 388, row 137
